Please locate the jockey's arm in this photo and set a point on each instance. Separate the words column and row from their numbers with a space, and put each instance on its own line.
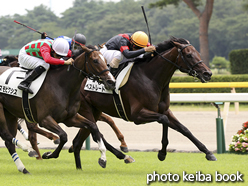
column 131, row 54
column 45, row 52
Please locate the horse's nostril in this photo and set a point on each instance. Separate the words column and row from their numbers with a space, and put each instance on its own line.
column 111, row 82
column 207, row 74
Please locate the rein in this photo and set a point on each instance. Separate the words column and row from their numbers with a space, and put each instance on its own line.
column 93, row 76
column 190, row 69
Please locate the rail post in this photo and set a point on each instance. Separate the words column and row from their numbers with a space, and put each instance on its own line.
column 87, row 143
column 221, row 145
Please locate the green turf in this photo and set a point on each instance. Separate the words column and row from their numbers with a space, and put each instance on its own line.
column 62, row 171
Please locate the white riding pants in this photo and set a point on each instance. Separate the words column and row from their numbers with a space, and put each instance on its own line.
column 109, row 55
column 30, row 62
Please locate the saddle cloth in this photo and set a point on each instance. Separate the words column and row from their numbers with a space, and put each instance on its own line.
column 120, row 82
column 12, row 77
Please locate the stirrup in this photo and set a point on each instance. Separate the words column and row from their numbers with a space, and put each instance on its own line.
column 25, row 88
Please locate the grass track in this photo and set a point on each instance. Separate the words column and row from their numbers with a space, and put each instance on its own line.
column 62, row 171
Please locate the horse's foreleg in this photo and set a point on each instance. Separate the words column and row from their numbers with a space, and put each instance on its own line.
column 33, row 141
column 78, row 141
column 34, row 127
column 176, row 125
column 117, row 153
column 168, row 119
column 147, row 116
column 118, row 133
column 81, row 122
column 50, row 124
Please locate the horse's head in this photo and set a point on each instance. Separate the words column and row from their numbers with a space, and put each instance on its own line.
column 8, row 59
column 95, row 67
column 190, row 61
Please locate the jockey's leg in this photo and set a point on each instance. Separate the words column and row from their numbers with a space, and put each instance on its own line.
column 34, row 74
column 113, row 65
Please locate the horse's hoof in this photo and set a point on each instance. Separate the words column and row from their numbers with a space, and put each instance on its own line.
column 32, row 153
column 161, row 155
column 25, row 171
column 102, row 163
column 57, row 141
column 211, row 157
column 124, row 149
column 70, row 150
column 129, row 159
column 47, row 155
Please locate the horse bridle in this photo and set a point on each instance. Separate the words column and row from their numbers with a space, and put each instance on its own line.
column 93, row 76
column 190, row 69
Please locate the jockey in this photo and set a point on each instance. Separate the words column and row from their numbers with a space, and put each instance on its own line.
column 38, row 55
column 125, row 45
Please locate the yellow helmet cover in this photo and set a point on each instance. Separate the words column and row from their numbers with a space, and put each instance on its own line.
column 140, row 39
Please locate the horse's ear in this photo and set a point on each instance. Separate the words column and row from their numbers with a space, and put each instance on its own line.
column 86, row 49
column 96, row 47
column 176, row 44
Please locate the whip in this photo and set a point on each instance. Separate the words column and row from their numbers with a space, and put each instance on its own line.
column 31, row 28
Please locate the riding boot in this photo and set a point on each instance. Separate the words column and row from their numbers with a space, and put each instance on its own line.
column 34, row 74
column 113, row 71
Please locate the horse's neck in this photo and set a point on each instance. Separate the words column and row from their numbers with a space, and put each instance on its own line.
column 69, row 77
column 160, row 70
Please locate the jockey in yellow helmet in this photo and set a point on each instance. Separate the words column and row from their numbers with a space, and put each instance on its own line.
column 128, row 45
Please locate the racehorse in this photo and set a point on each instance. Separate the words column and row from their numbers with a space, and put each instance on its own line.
column 146, row 96
column 7, row 61
column 57, row 101
column 12, row 61
column 34, row 129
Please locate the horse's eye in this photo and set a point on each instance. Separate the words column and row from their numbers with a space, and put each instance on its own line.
column 95, row 61
column 189, row 56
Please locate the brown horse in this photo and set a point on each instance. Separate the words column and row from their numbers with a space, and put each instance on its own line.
column 58, row 100
column 34, row 129
column 146, row 96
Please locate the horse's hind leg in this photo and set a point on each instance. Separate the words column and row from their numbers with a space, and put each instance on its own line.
column 22, row 131
column 7, row 133
column 15, row 157
column 9, row 123
column 118, row 133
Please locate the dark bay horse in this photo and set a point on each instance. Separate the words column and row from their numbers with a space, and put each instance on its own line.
column 34, row 129
column 10, row 60
column 146, row 96
column 58, row 100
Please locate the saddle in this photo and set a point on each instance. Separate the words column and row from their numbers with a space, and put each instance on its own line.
column 9, row 81
column 11, row 78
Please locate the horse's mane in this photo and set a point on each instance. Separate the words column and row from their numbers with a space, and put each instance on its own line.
column 166, row 45
column 161, row 47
